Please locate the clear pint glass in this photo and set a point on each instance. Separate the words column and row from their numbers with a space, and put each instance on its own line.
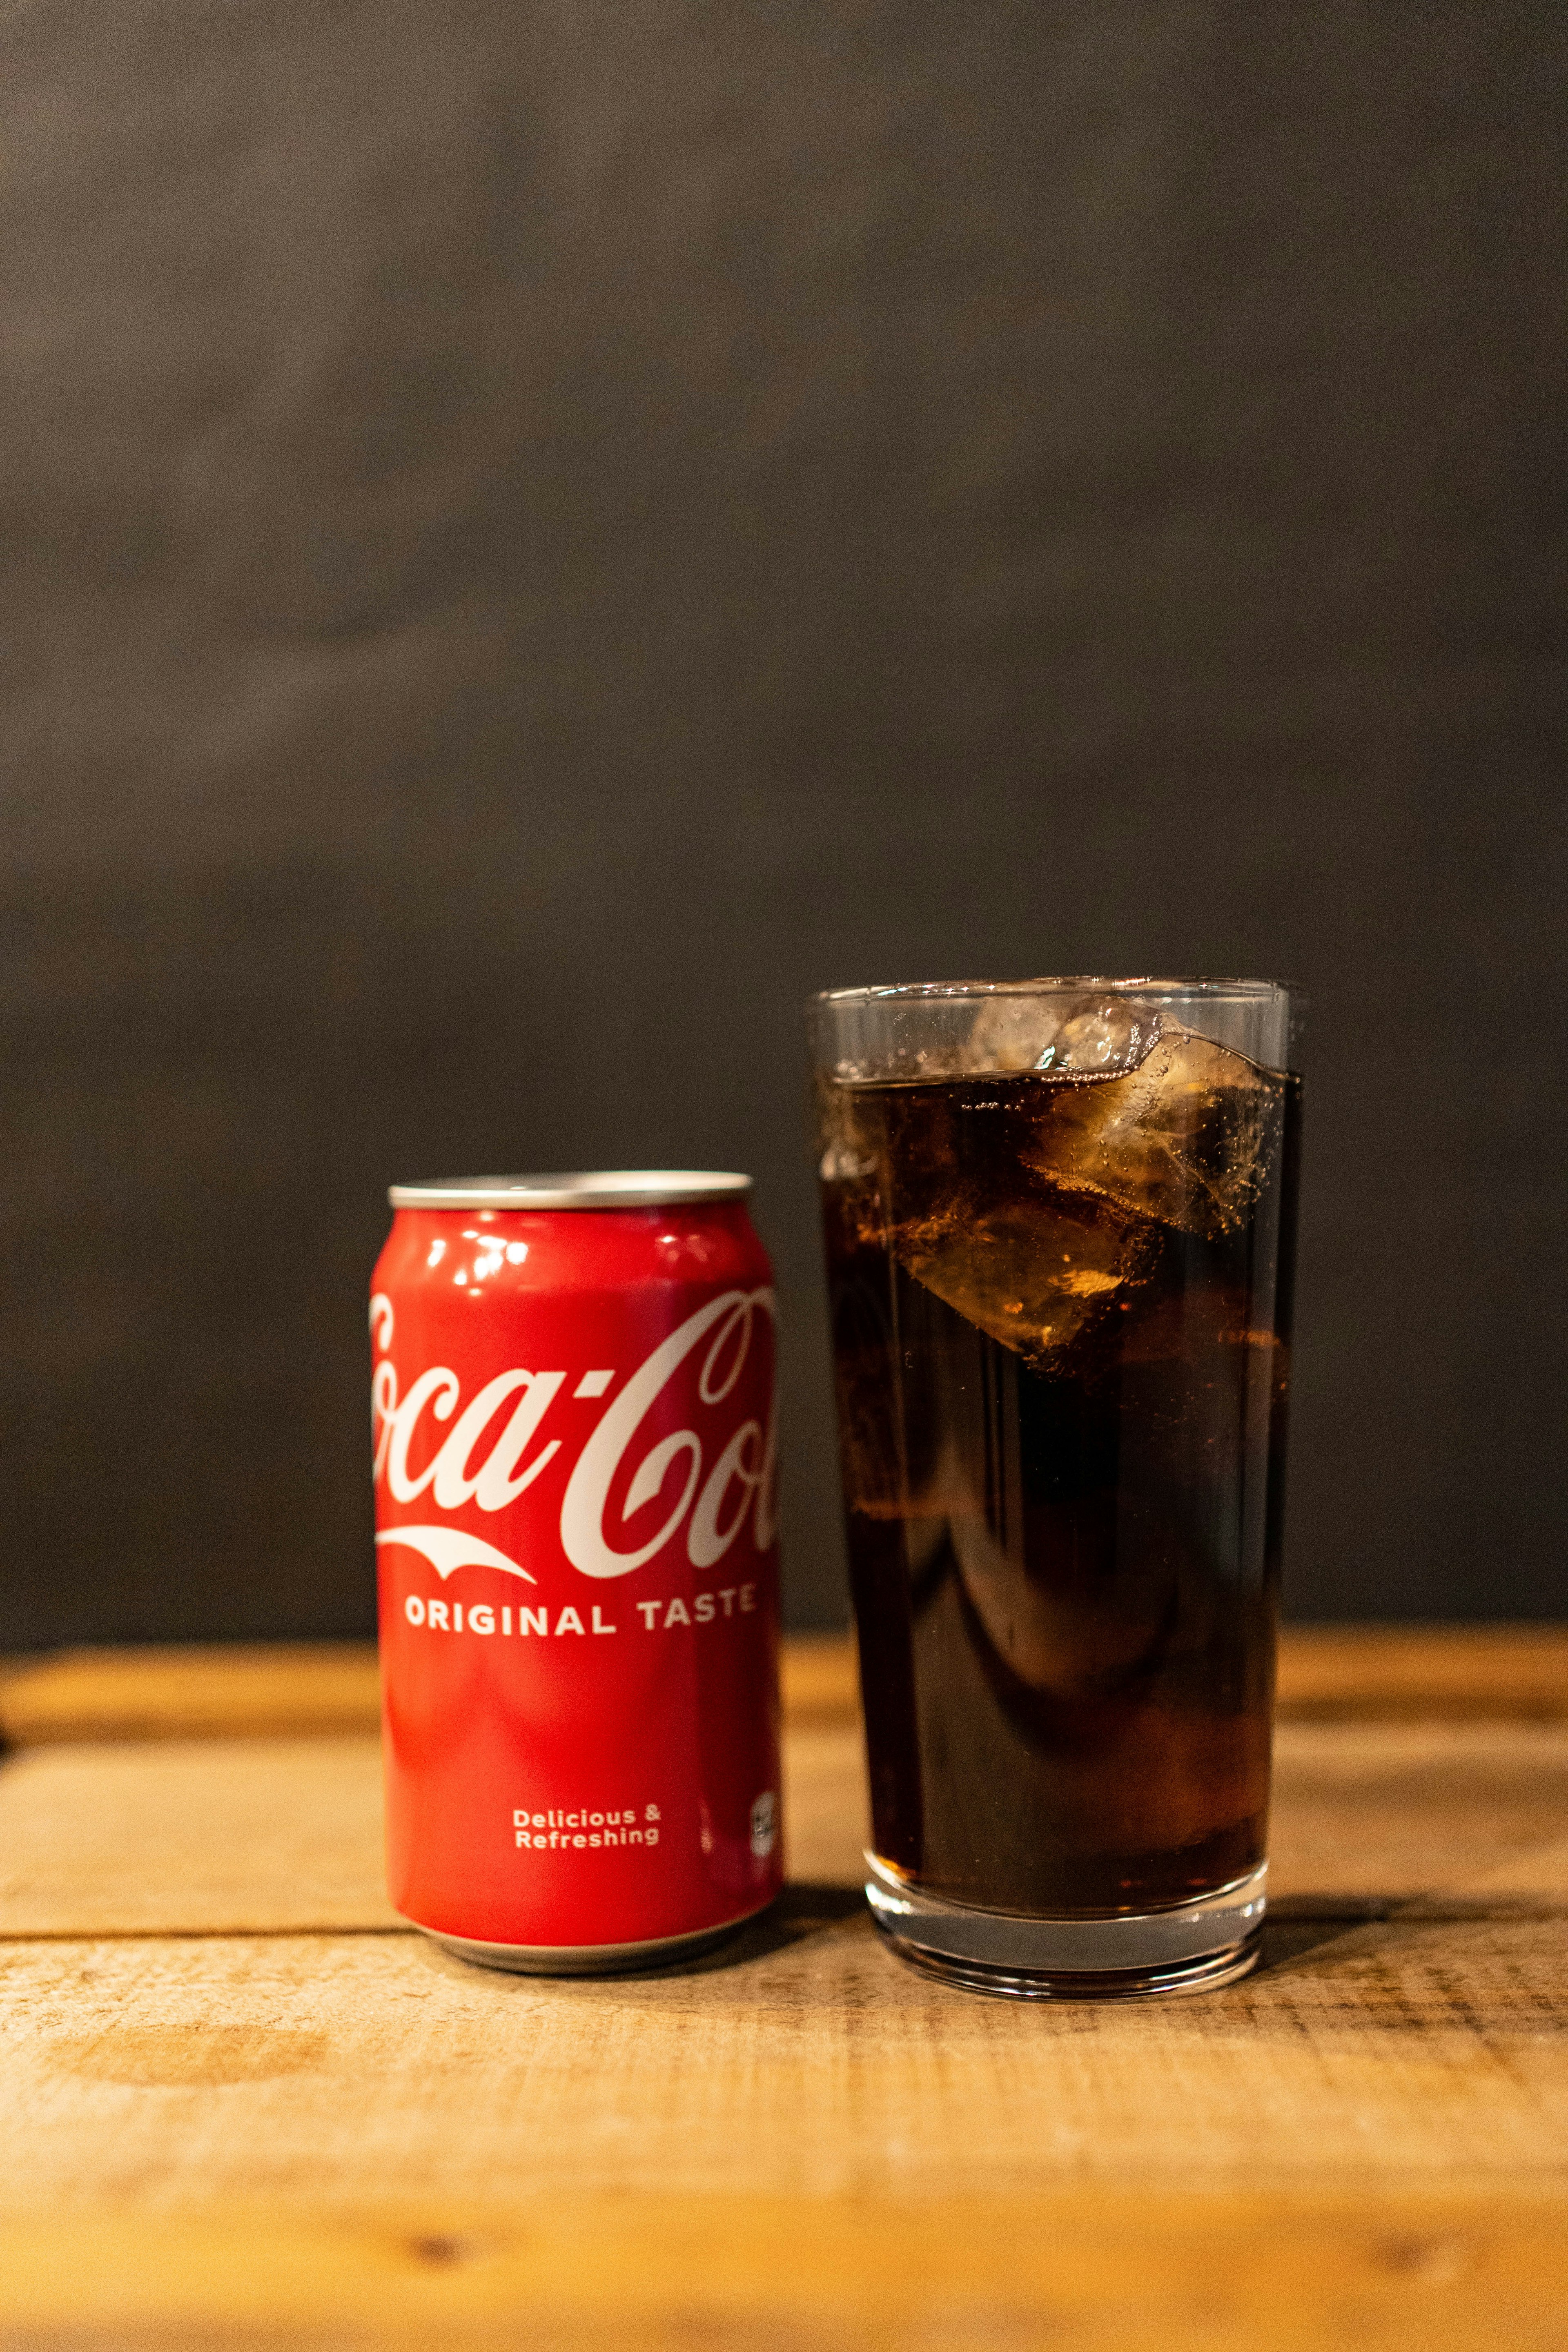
column 1059, row 1219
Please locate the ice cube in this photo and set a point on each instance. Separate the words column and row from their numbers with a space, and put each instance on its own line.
column 1107, row 1033
column 1011, row 1033
column 848, row 1148
column 1032, row 1033
column 1029, row 1263
column 1033, row 1276
column 1188, row 1137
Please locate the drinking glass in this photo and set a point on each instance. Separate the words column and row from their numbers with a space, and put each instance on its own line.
column 1059, row 1219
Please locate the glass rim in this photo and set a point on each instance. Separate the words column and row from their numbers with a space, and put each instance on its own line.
column 1068, row 984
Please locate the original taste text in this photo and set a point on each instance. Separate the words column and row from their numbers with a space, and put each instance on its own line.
column 657, row 1616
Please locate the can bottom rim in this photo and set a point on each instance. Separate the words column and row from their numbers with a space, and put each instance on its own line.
column 591, row 1959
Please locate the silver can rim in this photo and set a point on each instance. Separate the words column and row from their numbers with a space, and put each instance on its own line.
column 596, row 1959
column 578, row 1188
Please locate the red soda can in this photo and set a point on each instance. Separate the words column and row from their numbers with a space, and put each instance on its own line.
column 575, row 1490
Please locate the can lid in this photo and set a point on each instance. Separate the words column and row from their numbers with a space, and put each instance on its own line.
column 593, row 1188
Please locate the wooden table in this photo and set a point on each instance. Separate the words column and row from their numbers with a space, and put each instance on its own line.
column 243, row 2105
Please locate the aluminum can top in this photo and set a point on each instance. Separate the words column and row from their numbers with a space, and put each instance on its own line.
column 591, row 1188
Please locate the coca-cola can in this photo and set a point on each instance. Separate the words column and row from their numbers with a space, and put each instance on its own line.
column 576, row 1478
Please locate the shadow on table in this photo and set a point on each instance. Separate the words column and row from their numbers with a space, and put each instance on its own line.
column 808, row 1908
column 1288, row 1941
column 805, row 1909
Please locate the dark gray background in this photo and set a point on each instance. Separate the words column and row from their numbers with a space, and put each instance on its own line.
column 535, row 537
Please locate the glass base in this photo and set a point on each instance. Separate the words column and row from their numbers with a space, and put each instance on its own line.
column 1126, row 1956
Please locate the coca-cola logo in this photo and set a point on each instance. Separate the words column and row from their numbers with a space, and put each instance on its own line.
column 708, row 1479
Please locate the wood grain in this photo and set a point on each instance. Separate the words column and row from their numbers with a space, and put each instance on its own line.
column 277, row 1690
column 803, row 2060
column 1327, row 1672
column 199, row 1691
column 218, row 1836
column 784, row 2137
column 1099, row 2270
column 192, row 1837
column 245, row 2107
column 1433, row 1673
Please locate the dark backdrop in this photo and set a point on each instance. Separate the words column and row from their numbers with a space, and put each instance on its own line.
column 534, row 537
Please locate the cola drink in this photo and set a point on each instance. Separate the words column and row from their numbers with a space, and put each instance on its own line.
column 576, row 1476
column 1059, row 1233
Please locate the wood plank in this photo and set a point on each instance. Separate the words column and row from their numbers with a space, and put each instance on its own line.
column 1435, row 1672
column 1454, row 1672
column 1327, row 1674
column 330, row 2140
column 198, row 1691
column 821, row 1679
column 1452, row 1816
column 335, row 2139
column 200, row 1837
column 210, row 1836
column 1075, row 2272
column 802, row 2061
column 193, row 1836
column 284, row 1689
column 1366, row 1815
